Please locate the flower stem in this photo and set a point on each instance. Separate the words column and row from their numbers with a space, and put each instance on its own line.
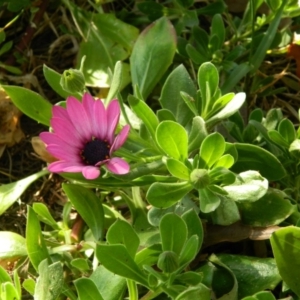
column 132, row 289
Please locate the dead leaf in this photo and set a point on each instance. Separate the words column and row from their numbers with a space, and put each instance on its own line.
column 10, row 131
column 294, row 52
column 40, row 149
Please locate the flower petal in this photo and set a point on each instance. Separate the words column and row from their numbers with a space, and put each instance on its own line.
column 100, row 120
column 118, row 166
column 51, row 138
column 120, row 139
column 79, row 118
column 64, row 166
column 65, row 130
column 60, row 112
column 113, row 115
column 90, row 172
column 88, row 104
column 70, row 154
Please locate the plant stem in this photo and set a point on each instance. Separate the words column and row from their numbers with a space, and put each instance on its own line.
column 132, row 289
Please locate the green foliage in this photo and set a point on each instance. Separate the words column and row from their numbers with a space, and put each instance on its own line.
column 90, row 209
column 285, row 246
column 194, row 160
column 49, row 284
column 11, row 192
column 35, row 107
column 12, row 245
column 36, row 246
column 152, row 55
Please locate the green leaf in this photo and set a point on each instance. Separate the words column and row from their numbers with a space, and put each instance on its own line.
column 145, row 113
column 4, row 276
column 189, row 278
column 273, row 117
column 12, row 245
column 163, row 195
column 138, row 209
column 35, row 106
column 116, row 82
column 224, row 282
column 165, row 115
column 171, row 227
column 213, row 45
column 11, row 69
column 8, row 291
column 49, row 284
column 149, row 255
column 172, row 139
column 116, row 259
column 232, row 107
column 295, row 147
column 11, row 192
column 29, row 285
column 220, row 103
column 212, row 148
column 87, row 289
column 208, row 80
column 189, row 251
column 209, row 201
column 198, row 292
column 197, row 133
column 190, row 102
column 43, row 213
column 88, row 206
column 285, row 244
column 274, row 4
column 17, row 283
column 220, row 175
column 152, row 54
column 277, row 138
column 196, row 55
column 155, row 214
column 53, row 78
column 252, row 157
column 269, row 210
column 36, row 246
column 226, row 213
column 6, row 47
column 178, row 81
column 110, row 285
column 225, row 161
column 153, row 10
column 287, row 130
column 121, row 232
column 218, row 29
column 109, row 36
column 248, row 186
column 178, row 169
column 194, row 225
column 264, row 295
column 253, row 274
column 185, row 3
column 81, row 264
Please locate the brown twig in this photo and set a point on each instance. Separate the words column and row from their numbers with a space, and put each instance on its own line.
column 236, row 232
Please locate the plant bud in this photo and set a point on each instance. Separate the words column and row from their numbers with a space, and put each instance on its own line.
column 73, row 81
column 200, row 178
column 168, row 261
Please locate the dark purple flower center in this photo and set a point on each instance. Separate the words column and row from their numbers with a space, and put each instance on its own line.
column 95, row 151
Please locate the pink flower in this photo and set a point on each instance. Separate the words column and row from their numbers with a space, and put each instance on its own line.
column 83, row 137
